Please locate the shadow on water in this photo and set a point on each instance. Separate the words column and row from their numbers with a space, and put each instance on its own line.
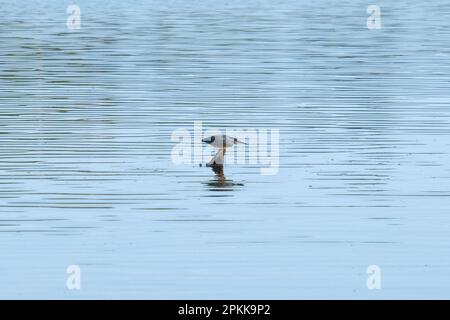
column 220, row 182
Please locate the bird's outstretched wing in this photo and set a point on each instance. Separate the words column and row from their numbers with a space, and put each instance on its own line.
column 218, row 158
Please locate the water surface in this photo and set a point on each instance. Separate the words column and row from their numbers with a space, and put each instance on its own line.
column 86, row 176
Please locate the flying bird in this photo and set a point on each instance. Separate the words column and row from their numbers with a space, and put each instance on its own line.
column 220, row 142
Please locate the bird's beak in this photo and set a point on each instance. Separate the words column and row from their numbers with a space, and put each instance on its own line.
column 238, row 141
column 205, row 140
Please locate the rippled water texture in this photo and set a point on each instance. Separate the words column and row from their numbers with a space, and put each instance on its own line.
column 86, row 176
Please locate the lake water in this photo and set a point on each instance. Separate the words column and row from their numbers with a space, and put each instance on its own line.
column 86, row 176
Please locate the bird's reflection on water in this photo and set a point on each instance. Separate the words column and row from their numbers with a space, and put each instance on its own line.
column 220, row 182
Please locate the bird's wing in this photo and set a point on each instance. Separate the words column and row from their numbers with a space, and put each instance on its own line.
column 218, row 158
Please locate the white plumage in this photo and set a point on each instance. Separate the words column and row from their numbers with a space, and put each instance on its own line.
column 220, row 142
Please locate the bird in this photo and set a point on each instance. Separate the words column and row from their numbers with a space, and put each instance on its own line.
column 220, row 142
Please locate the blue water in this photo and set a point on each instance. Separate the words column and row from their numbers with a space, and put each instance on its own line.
column 86, row 177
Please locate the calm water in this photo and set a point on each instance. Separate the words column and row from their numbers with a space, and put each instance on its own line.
column 86, row 176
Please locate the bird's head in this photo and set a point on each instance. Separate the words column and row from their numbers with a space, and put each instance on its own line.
column 209, row 140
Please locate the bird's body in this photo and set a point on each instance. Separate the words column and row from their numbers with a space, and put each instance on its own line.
column 220, row 142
